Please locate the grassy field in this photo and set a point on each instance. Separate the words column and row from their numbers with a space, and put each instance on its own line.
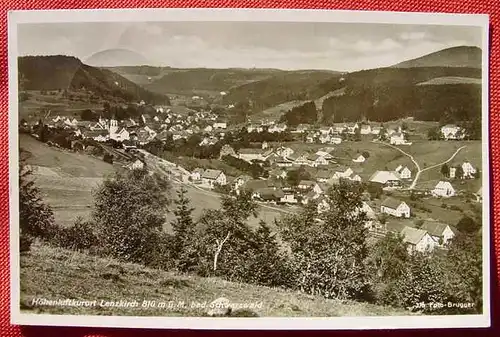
column 54, row 273
column 452, row 80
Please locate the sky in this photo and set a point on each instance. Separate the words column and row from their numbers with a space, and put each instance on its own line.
column 282, row 45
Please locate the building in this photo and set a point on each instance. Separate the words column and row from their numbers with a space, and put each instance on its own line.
column 386, row 178
column 255, row 128
column 269, row 194
column 440, row 232
column 196, row 174
column 469, row 170
column 288, row 198
column 403, row 172
column 398, row 138
column 136, row 165
column 306, row 184
column 479, row 195
column 209, row 178
column 277, row 128
column 359, row 159
column 335, row 139
column 418, row 240
column 220, row 125
column 395, row 208
column 451, row 132
column 366, row 130
column 240, row 181
column 342, row 173
column 284, row 152
column 443, row 189
column 250, row 154
column 316, row 160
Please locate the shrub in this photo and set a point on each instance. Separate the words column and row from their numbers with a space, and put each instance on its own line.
column 78, row 237
column 108, row 158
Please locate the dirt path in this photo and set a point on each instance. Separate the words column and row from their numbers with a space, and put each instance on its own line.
column 419, row 170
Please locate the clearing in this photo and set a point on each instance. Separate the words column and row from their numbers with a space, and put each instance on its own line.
column 56, row 273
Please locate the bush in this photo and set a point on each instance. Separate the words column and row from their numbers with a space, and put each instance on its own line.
column 25, row 242
column 108, row 158
column 79, row 237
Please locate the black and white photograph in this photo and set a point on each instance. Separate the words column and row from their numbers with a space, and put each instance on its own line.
column 250, row 169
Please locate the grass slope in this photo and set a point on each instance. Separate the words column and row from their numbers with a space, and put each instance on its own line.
column 55, row 273
column 462, row 56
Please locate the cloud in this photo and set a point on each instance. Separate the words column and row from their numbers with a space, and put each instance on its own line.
column 365, row 46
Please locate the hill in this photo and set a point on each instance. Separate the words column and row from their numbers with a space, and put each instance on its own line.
column 116, row 57
column 463, row 56
column 69, row 73
column 54, row 272
column 391, row 93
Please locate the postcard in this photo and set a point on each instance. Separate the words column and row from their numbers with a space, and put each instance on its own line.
column 249, row 169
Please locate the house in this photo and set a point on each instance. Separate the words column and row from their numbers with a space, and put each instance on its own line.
column 342, row 172
column 440, row 232
column 310, row 138
column 211, row 177
column 250, row 154
column 325, row 152
column 196, row 174
column 469, row 170
column 270, row 194
column 324, row 138
column 284, row 152
column 120, row 135
column 366, row 130
column 403, row 172
column 325, row 130
column 323, row 205
column 451, row 132
column 395, row 208
column 315, row 160
column 359, row 159
column 300, row 159
column 288, row 198
column 355, row 177
column 453, row 172
column 240, row 181
column 369, row 213
column 278, row 173
column 254, row 128
column 277, row 128
column 417, row 240
column 281, row 162
column 443, row 189
column 398, row 138
column 136, row 165
column 386, row 178
column 376, row 130
column 323, row 176
column 301, row 128
column 335, row 139
column 306, row 184
column 220, row 125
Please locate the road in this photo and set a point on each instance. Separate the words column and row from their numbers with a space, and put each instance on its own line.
column 419, row 170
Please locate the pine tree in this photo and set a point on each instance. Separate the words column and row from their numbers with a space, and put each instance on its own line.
column 445, row 170
column 183, row 225
column 36, row 219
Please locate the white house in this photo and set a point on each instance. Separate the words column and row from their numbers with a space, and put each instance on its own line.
column 284, row 152
column 440, row 232
column 306, row 184
column 395, row 208
column 376, row 130
column 250, row 154
column 288, row 198
column 335, row 139
column 451, row 132
column 366, row 129
column 324, row 138
column 196, row 174
column 136, row 165
column 359, row 159
column 443, row 189
column 418, row 240
column 398, row 138
column 342, row 172
column 355, row 177
column 316, row 160
column 469, row 170
column 211, row 177
column 220, row 125
column 255, row 127
column 325, row 130
column 403, row 172
column 277, row 128
column 325, row 153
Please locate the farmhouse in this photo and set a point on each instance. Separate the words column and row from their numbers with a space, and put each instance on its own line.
column 277, row 128
column 469, row 170
column 288, row 198
column 451, row 132
column 359, row 159
column 335, row 139
column 443, row 189
column 270, row 194
column 395, row 208
column 316, row 160
column 255, row 128
column 418, row 240
column 366, row 129
column 376, row 130
column 284, row 152
column 323, row 175
column 241, row 180
column 440, row 232
column 403, row 172
column 97, row 135
column 398, row 138
column 211, row 177
column 342, row 172
column 220, row 125
column 196, row 174
column 301, row 128
column 386, row 178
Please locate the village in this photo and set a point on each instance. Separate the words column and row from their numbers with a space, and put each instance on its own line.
column 292, row 175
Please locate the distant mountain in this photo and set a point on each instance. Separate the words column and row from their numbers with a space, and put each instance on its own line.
column 115, row 58
column 66, row 72
column 464, row 56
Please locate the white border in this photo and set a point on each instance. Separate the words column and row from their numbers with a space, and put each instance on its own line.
column 270, row 15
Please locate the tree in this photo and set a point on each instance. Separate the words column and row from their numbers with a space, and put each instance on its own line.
column 129, row 213
column 183, row 226
column 36, row 218
column 357, row 134
column 108, row 158
column 434, row 134
column 295, row 176
column 468, row 225
column 366, row 154
column 329, row 249
column 445, row 170
column 88, row 115
column 459, row 172
column 419, row 223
